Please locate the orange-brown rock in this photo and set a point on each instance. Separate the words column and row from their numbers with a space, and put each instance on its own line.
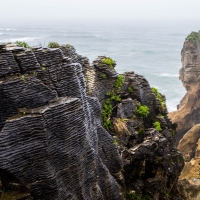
column 188, row 113
column 189, row 145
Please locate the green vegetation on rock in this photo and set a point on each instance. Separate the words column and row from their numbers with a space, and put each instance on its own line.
column 23, row 78
column 142, row 111
column 130, row 89
column 53, row 45
column 108, row 61
column 159, row 97
column 69, row 46
column 113, row 98
column 193, row 36
column 115, row 142
column 157, row 126
column 22, row 44
column 134, row 196
column 103, row 75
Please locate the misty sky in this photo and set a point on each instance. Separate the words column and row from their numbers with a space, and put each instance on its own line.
column 100, row 9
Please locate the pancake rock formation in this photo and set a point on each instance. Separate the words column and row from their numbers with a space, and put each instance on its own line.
column 79, row 131
column 188, row 113
column 187, row 117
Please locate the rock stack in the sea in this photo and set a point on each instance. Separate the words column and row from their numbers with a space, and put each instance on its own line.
column 59, row 142
column 187, row 117
column 188, row 113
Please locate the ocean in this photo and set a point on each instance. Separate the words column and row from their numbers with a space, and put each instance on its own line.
column 149, row 48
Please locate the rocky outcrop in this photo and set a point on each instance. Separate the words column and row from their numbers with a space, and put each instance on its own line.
column 187, row 117
column 188, row 113
column 56, row 144
column 189, row 145
column 152, row 163
column 51, row 140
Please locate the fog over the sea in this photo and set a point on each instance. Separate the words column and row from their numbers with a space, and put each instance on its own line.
column 99, row 10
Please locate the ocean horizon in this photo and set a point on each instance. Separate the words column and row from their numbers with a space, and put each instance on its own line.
column 149, row 48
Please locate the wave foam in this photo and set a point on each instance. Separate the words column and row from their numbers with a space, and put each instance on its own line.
column 27, row 39
column 8, row 29
column 168, row 75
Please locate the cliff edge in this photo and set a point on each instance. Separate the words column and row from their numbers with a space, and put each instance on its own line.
column 71, row 130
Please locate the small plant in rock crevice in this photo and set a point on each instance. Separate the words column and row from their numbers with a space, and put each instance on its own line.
column 115, row 142
column 112, row 98
column 108, row 61
column 23, row 78
column 134, row 196
column 142, row 111
column 130, row 89
column 103, row 76
column 157, row 126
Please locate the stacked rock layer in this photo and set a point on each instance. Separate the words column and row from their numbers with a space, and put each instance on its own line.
column 52, row 142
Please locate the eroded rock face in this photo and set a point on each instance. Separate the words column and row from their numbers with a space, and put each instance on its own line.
column 189, row 145
column 53, row 144
column 187, row 117
column 152, row 163
column 188, row 113
column 51, row 136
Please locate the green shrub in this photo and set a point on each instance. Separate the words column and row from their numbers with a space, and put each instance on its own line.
column 115, row 142
column 69, row 46
column 142, row 111
column 134, row 196
column 108, row 61
column 130, row 89
column 22, row 44
column 103, row 75
column 53, row 45
column 119, row 82
column 193, row 36
column 23, row 78
column 141, row 131
column 160, row 98
column 112, row 98
column 157, row 126
column 154, row 90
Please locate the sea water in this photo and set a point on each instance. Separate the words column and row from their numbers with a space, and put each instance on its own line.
column 149, row 48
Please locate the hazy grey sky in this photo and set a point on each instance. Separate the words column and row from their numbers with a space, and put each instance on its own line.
column 100, row 9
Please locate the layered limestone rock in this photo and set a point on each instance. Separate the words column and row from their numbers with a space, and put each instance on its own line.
column 152, row 163
column 51, row 138
column 55, row 143
column 187, row 117
column 188, row 113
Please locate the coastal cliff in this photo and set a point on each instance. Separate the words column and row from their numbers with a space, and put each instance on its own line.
column 71, row 130
column 188, row 113
column 187, row 117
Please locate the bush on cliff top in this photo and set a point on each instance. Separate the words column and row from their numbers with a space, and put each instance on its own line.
column 109, row 61
column 194, row 36
column 53, row 45
column 22, row 44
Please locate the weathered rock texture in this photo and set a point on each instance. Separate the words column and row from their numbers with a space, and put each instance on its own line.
column 52, row 142
column 51, row 137
column 187, row 117
column 152, row 163
column 189, row 145
column 188, row 113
